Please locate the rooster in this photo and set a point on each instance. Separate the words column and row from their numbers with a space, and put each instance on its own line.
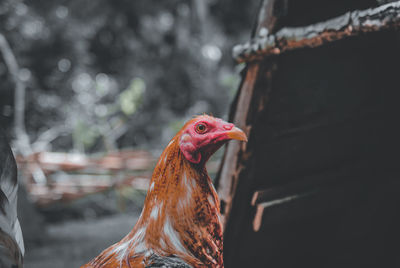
column 180, row 223
column 11, row 241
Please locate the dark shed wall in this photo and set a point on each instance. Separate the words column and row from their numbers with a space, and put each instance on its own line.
column 331, row 106
column 306, row 12
column 332, row 113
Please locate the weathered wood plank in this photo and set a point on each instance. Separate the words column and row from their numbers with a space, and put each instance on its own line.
column 350, row 24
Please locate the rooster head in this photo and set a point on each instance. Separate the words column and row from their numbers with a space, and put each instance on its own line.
column 204, row 134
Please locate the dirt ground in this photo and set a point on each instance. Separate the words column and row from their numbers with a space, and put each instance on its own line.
column 73, row 243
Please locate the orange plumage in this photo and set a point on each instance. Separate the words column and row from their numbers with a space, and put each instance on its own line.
column 181, row 216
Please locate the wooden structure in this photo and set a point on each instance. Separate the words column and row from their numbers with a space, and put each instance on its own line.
column 317, row 185
column 73, row 176
column 70, row 176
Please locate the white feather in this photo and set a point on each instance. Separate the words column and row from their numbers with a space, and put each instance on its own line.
column 173, row 236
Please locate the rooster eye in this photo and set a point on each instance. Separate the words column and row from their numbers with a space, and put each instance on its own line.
column 201, row 128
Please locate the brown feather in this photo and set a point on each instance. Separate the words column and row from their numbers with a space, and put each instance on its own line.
column 181, row 218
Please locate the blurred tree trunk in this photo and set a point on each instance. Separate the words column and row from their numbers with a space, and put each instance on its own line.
column 199, row 16
column 22, row 139
column 19, row 96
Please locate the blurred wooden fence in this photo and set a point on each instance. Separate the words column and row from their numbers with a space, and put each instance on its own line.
column 70, row 176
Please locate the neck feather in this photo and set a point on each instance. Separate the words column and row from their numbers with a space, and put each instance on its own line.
column 181, row 212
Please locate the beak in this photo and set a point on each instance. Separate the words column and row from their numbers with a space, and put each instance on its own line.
column 236, row 134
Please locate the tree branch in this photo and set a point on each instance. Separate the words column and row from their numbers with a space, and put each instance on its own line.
column 19, row 98
column 22, row 139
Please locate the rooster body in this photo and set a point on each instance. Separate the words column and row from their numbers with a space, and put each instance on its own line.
column 180, row 222
column 11, row 241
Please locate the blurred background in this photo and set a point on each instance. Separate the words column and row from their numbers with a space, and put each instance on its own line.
column 91, row 92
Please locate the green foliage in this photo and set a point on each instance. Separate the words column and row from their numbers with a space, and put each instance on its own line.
column 132, row 97
column 84, row 135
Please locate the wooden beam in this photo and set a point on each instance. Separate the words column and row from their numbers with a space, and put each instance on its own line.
column 350, row 24
column 313, row 186
column 232, row 168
